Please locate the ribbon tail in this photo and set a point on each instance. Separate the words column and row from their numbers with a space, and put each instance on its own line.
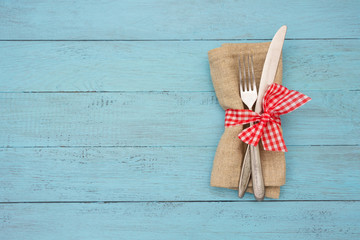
column 272, row 138
column 252, row 135
column 235, row 117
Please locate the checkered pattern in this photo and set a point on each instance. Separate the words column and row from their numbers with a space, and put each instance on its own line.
column 278, row 100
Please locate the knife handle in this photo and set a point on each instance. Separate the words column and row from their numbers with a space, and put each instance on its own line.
column 245, row 173
column 256, row 172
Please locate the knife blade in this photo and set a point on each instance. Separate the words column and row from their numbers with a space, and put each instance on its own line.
column 270, row 65
column 267, row 78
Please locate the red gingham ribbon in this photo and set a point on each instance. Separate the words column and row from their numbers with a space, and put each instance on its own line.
column 278, row 100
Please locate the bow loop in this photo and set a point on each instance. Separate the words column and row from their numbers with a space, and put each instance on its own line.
column 278, row 100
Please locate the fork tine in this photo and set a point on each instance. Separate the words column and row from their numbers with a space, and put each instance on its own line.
column 253, row 74
column 240, row 75
column 245, row 75
column 248, row 71
column 248, row 91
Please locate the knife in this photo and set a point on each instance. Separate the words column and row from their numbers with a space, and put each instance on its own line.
column 267, row 78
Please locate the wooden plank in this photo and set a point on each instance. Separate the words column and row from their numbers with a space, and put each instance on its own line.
column 162, row 66
column 190, row 220
column 160, row 119
column 141, row 19
column 163, row 174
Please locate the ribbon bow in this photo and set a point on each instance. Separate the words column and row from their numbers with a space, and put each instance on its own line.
column 278, row 100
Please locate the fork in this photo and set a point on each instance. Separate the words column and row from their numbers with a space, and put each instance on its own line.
column 251, row 163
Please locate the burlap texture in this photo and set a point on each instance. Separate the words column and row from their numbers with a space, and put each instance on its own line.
column 230, row 151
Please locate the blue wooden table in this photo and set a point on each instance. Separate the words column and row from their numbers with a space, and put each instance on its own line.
column 109, row 121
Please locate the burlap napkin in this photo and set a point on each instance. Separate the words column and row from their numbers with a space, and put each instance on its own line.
column 230, row 151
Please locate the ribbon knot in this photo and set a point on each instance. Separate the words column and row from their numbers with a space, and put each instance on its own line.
column 265, row 117
column 278, row 100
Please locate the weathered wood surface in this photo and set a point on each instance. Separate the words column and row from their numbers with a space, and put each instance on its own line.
column 159, row 19
column 160, row 119
column 163, row 174
column 181, row 220
column 162, row 66
column 134, row 120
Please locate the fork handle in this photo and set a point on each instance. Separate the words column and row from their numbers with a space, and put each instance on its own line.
column 256, row 172
column 245, row 173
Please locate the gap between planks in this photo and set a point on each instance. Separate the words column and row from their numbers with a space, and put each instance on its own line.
column 165, row 91
column 167, row 146
column 168, row 40
column 183, row 201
